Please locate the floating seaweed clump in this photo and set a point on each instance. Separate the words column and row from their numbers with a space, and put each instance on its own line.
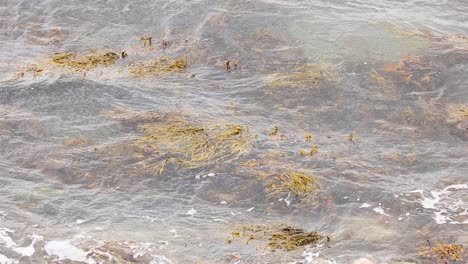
column 308, row 76
column 294, row 183
column 458, row 116
column 312, row 152
column 180, row 141
column 71, row 61
column 78, row 142
column 89, row 61
column 444, row 252
column 284, row 183
column 431, row 116
column 412, row 69
column 295, row 85
column 282, row 237
column 410, row 72
column 159, row 67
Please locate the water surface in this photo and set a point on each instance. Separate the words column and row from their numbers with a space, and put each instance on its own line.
column 392, row 142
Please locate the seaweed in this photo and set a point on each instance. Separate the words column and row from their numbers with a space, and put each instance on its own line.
column 295, row 182
column 158, row 67
column 146, row 41
column 457, row 116
column 430, row 116
column 78, row 142
column 308, row 76
column 282, row 237
column 69, row 61
column 292, row 185
column 275, row 131
column 456, row 41
column 132, row 117
column 265, row 161
column 410, row 72
column 312, row 152
column 177, row 140
column 36, row 69
column 412, row 69
column 379, row 78
column 89, row 61
column 443, row 252
column 228, row 65
column 165, row 43
column 286, row 183
column 403, row 158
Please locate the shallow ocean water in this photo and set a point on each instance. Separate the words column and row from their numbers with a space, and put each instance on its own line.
column 383, row 102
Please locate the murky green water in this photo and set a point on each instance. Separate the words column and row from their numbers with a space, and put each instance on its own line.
column 380, row 87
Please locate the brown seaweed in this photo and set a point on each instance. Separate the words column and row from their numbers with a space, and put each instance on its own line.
column 282, row 237
column 158, row 67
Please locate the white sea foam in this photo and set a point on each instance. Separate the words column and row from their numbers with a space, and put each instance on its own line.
column 312, row 255
column 7, row 242
column 160, row 260
column 380, row 210
column 191, row 212
column 64, row 250
column 365, row 205
column 29, row 250
column 5, row 238
column 5, row 260
column 443, row 205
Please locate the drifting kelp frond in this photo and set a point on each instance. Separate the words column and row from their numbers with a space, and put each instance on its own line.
column 283, row 237
column 159, row 67
column 307, row 76
column 177, row 140
column 443, row 252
